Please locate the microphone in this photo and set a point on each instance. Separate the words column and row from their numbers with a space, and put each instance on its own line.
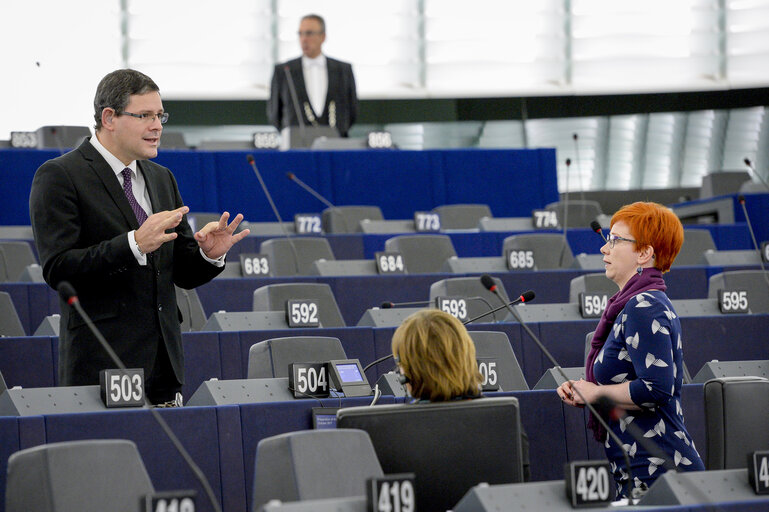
column 596, row 226
column 389, row 305
column 575, row 136
column 68, row 295
column 486, row 280
column 565, row 213
column 294, row 98
column 293, row 177
column 754, row 173
column 741, row 200
column 527, row 296
column 377, row 361
column 251, row 162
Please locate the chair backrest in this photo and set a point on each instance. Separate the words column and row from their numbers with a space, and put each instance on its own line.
column 751, row 281
column 479, row 300
column 736, row 419
column 550, row 250
column 193, row 316
column 14, row 258
column 285, row 262
column 77, row 476
column 495, row 346
column 462, row 216
column 313, row 464
column 173, row 140
column 10, row 325
column 270, row 358
column 450, row 446
column 581, row 212
column 696, row 242
column 592, row 284
column 423, row 254
column 273, row 297
column 347, row 219
column 721, row 183
column 60, row 137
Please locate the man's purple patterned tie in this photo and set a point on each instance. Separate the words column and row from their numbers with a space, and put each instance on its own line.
column 141, row 215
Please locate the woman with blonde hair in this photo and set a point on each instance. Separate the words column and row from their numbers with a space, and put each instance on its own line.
column 636, row 354
column 436, row 356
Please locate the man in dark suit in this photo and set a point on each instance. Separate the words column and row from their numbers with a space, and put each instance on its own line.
column 325, row 87
column 113, row 224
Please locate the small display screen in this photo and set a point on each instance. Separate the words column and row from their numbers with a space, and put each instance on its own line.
column 324, row 417
column 349, row 372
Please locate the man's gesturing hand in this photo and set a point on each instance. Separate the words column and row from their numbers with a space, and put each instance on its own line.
column 152, row 234
column 216, row 238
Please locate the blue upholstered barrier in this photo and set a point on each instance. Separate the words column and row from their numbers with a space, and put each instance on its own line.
column 400, row 182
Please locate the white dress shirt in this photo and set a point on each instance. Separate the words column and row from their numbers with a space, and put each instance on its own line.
column 316, row 82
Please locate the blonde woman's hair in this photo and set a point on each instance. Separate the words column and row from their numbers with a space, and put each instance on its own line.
column 437, row 355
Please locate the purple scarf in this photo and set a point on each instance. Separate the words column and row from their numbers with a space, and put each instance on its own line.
column 649, row 279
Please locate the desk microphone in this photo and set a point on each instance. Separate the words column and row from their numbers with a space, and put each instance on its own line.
column 575, row 136
column 486, row 280
column 596, row 226
column 565, row 213
column 68, row 294
column 389, row 305
column 294, row 99
column 251, row 162
column 524, row 297
column 741, row 200
column 293, row 177
column 753, row 171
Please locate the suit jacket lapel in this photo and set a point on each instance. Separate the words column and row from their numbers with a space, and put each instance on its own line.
column 110, row 181
column 298, row 75
column 150, row 184
column 334, row 76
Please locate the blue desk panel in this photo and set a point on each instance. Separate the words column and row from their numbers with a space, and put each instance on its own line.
column 511, row 182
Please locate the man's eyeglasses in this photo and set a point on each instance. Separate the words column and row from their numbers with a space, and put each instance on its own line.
column 149, row 117
column 308, row 33
column 612, row 240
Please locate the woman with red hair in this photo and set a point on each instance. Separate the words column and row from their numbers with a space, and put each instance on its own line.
column 636, row 357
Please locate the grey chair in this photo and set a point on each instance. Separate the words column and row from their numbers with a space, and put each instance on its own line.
column 479, row 300
column 313, row 464
column 193, row 316
column 752, row 281
column 273, row 297
column 580, row 212
column 14, row 258
column 422, row 254
column 10, row 325
column 551, row 251
column 295, row 256
column 696, row 242
column 77, row 476
column 495, row 346
column 173, row 140
column 462, row 216
column 347, row 219
column 736, row 419
column 343, row 268
column 721, row 183
column 270, row 358
column 433, row 441
column 60, row 137
column 593, row 284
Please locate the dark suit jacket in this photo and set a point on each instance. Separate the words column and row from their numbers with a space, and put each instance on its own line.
column 341, row 90
column 80, row 218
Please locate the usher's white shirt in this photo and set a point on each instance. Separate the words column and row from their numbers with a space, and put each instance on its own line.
column 316, row 81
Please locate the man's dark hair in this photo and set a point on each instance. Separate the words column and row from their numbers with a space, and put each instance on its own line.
column 317, row 18
column 115, row 91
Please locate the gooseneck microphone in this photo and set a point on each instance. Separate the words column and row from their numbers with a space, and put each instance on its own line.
column 753, row 171
column 294, row 98
column 596, row 226
column 527, row 296
column 293, row 177
column 251, row 162
column 741, row 200
column 68, row 294
column 488, row 282
column 389, row 305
